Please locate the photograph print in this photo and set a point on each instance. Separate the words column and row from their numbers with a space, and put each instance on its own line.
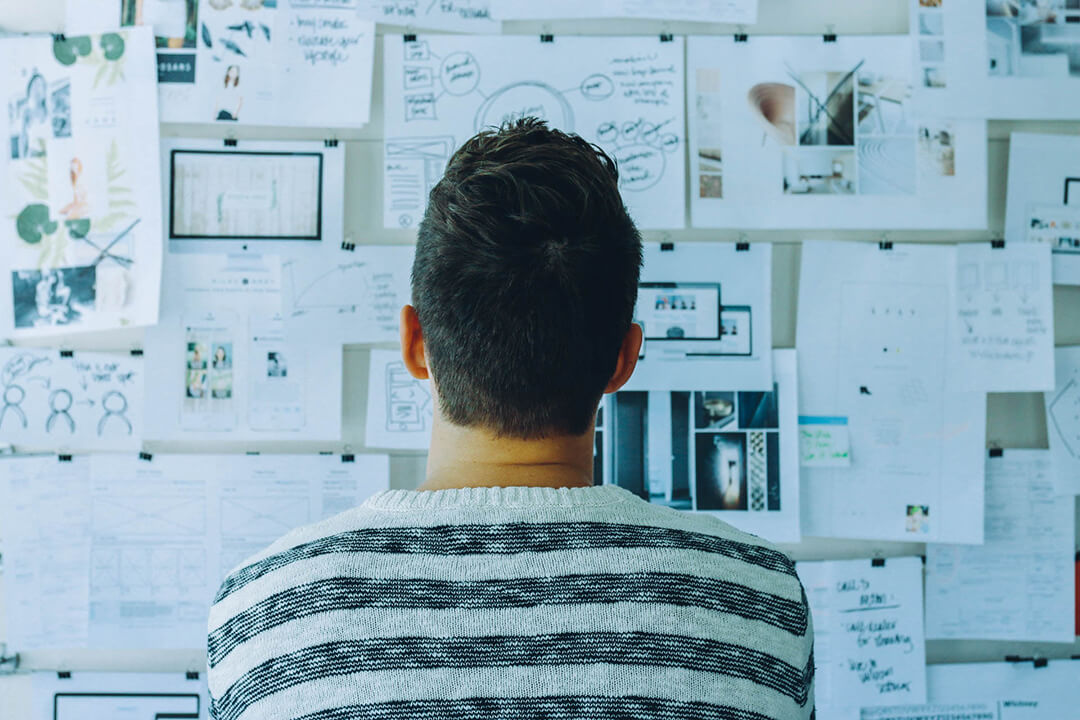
column 1033, row 38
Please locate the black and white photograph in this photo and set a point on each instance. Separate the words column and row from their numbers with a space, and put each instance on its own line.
column 275, row 365
column 59, row 296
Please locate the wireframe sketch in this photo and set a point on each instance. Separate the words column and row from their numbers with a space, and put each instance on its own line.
column 624, row 94
column 408, row 401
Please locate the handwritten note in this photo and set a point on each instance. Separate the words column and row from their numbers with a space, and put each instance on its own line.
column 868, row 622
column 824, row 441
column 1003, row 329
column 450, row 15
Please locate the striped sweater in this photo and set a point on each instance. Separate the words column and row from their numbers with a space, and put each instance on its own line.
column 513, row 603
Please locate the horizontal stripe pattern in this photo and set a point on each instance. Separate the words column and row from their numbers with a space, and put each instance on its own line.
column 509, row 538
column 637, row 648
column 345, row 593
column 576, row 707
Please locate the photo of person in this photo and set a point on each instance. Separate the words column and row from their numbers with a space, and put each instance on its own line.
column 229, row 99
column 918, row 519
column 275, row 365
column 28, row 115
column 222, row 356
column 221, row 374
column 53, row 297
column 196, row 356
column 78, row 207
column 195, row 386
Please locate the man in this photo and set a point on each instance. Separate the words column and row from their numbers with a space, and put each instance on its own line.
column 509, row 586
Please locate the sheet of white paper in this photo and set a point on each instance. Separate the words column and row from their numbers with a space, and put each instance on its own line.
column 1063, row 421
column 399, row 407
column 449, row 15
column 46, row 550
column 733, row 454
column 869, row 647
column 934, row 711
column 291, row 62
column 1002, row 59
column 224, row 365
column 717, row 11
column 116, row 695
column 121, row 551
column 792, row 132
column 169, row 19
column 82, row 401
column 351, row 293
column 37, row 17
column 1019, row 584
column 705, row 309
column 624, row 93
column 1003, row 327
column 1044, row 197
column 1020, row 690
column 82, row 251
column 873, row 340
column 824, row 441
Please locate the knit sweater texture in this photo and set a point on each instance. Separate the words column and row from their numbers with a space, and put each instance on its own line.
column 512, row 603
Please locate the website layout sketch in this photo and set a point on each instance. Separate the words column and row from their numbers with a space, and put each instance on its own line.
column 400, row 408
column 625, row 94
column 71, row 401
column 690, row 321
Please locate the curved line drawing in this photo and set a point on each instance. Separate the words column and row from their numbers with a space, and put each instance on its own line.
column 60, row 402
column 14, row 404
column 525, row 89
column 118, row 411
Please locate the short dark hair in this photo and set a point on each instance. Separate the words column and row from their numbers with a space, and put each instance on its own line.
column 525, row 280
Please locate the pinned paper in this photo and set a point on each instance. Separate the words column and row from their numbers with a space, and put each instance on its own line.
column 824, row 441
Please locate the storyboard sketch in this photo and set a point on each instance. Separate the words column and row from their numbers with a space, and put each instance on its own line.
column 1018, row 585
column 869, row 647
column 705, row 310
column 874, row 348
column 731, row 453
column 72, row 401
column 351, row 293
column 80, row 245
column 1043, row 198
column 794, row 132
column 227, row 367
column 254, row 196
column 128, row 695
column 715, row 11
column 400, row 408
column 1063, row 421
column 473, row 16
column 626, row 94
column 1008, row 59
column 1020, row 690
column 151, row 537
column 1003, row 326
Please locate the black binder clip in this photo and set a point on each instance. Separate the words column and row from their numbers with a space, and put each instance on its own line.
column 192, row 675
column 63, row 458
column 996, row 452
column 347, row 245
column 230, row 142
column 332, row 142
column 997, row 244
column 148, row 457
column 877, row 562
column 667, row 246
column 252, row 452
column 742, row 246
column 8, row 663
column 348, row 457
column 1040, row 662
column 67, row 353
column 547, row 38
column 829, row 37
column 885, row 245
column 63, row 674
column 741, row 37
column 666, row 37
column 409, row 37
column 136, row 352
column 59, row 37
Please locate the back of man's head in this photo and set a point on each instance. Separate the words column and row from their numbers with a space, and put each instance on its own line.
column 525, row 281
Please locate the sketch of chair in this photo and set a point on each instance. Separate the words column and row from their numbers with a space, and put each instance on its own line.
column 773, row 105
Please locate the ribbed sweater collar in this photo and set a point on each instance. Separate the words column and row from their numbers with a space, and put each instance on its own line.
column 510, row 496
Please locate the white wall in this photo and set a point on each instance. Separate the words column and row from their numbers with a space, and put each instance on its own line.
column 1016, row 420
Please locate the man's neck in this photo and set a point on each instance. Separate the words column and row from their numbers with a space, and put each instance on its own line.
column 468, row 457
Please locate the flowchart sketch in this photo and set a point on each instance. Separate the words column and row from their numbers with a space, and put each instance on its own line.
column 624, row 94
column 400, row 408
column 353, row 293
column 71, row 401
column 1063, row 421
column 794, row 132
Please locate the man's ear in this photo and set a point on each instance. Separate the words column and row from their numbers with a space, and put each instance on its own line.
column 628, row 357
column 412, row 344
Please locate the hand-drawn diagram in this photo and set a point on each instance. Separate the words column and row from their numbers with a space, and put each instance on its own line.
column 71, row 400
column 353, row 293
column 624, row 94
column 400, row 408
column 408, row 402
